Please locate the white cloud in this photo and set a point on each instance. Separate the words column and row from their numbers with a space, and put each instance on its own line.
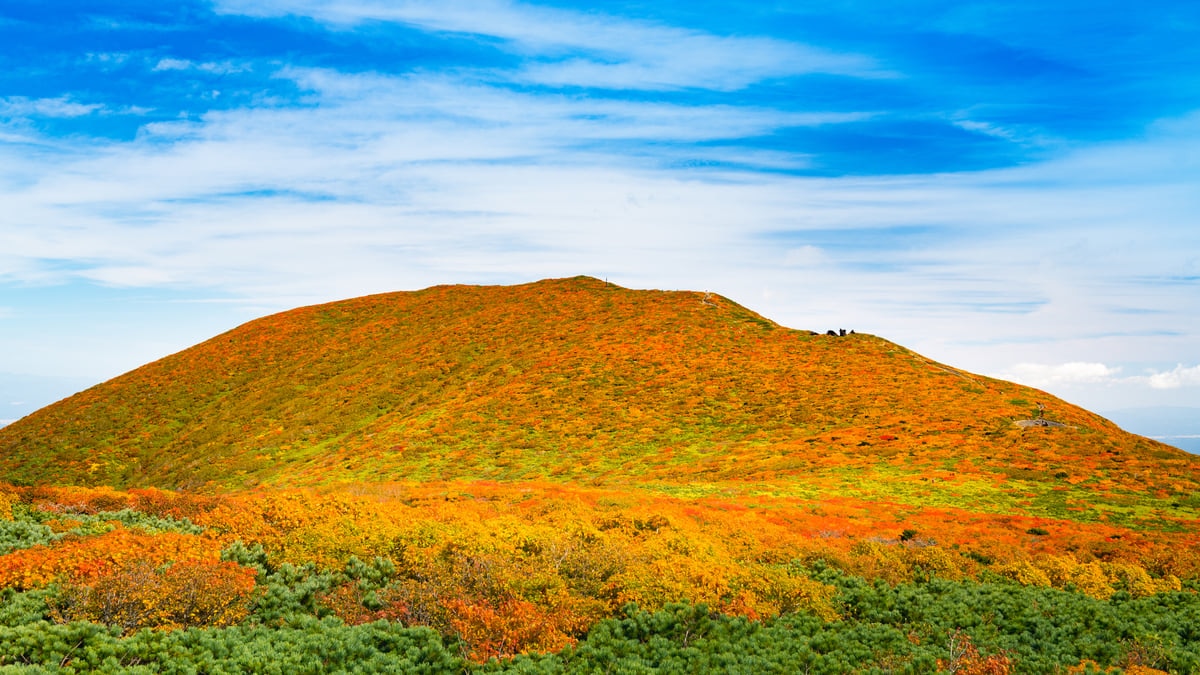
column 1081, row 376
column 62, row 106
column 108, row 58
column 587, row 49
column 172, row 64
column 384, row 168
column 219, row 68
column 440, row 104
column 1048, row 375
column 1180, row 376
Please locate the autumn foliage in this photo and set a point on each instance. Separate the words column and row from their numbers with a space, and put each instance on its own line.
column 517, row 568
column 511, row 467
column 134, row 594
column 85, row 559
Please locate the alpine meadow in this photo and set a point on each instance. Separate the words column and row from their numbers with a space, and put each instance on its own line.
column 569, row 476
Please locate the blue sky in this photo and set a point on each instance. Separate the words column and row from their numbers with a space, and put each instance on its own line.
column 1007, row 187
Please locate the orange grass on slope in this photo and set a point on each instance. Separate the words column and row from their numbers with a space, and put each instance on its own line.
column 580, row 382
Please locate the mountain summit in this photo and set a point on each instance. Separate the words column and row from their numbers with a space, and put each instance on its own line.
column 561, row 380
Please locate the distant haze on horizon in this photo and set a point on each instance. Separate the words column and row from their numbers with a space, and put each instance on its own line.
column 1007, row 187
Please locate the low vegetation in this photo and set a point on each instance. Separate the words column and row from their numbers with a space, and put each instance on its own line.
column 542, row 578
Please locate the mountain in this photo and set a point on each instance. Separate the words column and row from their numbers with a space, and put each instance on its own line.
column 519, row 468
column 577, row 380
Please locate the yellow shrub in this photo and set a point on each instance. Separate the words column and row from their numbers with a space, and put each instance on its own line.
column 1025, row 573
column 877, row 560
column 7, row 499
column 1089, row 579
column 1096, row 579
column 1137, row 581
column 937, row 561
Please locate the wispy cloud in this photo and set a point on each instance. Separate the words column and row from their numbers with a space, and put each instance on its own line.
column 380, row 101
column 374, row 160
column 394, row 182
column 62, row 106
column 222, row 68
column 567, row 48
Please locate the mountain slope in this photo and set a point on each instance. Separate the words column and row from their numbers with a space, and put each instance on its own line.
column 577, row 380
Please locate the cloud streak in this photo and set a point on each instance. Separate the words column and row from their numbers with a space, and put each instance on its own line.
column 575, row 49
column 62, row 107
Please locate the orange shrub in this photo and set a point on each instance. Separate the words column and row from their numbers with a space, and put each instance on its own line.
column 133, row 594
column 83, row 559
column 510, row 627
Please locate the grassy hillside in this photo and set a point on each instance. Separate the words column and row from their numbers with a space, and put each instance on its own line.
column 519, row 464
column 579, row 381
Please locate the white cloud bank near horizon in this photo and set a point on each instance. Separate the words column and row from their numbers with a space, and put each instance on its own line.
column 1079, row 373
